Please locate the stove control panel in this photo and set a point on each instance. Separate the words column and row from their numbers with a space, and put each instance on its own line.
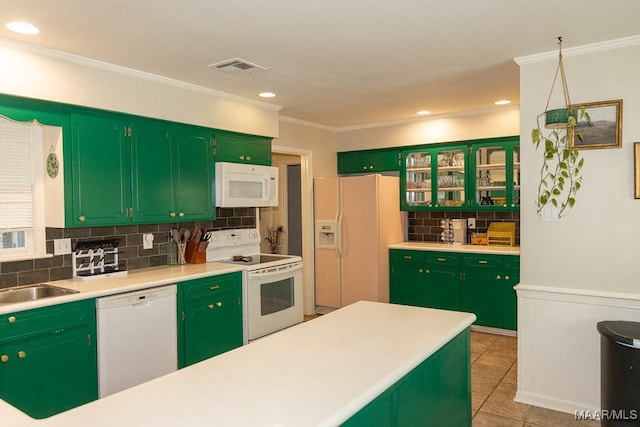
column 235, row 237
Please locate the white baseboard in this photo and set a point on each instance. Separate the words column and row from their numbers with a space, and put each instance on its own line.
column 559, row 346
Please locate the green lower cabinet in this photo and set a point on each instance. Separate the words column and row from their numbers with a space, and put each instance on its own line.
column 48, row 358
column 209, row 317
column 436, row 393
column 479, row 284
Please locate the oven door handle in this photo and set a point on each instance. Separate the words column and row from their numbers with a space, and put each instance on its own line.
column 277, row 272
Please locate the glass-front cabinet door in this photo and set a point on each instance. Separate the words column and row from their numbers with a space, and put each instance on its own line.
column 478, row 175
column 496, row 175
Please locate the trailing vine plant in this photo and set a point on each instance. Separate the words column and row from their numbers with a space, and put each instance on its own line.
column 560, row 173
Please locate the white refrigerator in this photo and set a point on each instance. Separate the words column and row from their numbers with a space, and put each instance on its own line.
column 356, row 219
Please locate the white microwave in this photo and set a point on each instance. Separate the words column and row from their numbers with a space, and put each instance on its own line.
column 243, row 185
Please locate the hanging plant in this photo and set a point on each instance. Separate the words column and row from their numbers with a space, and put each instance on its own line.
column 560, row 177
column 560, row 173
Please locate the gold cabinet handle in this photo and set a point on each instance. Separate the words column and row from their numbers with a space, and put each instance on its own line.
column 241, row 157
column 172, row 214
column 498, row 277
column 82, row 218
column 4, row 358
column 11, row 319
column 181, row 214
column 506, row 277
column 420, row 271
column 22, row 354
column 214, row 287
column 210, row 306
column 219, row 304
column 364, row 168
column 427, row 271
column 442, row 259
column 408, row 257
column 483, row 261
column 370, row 167
column 248, row 158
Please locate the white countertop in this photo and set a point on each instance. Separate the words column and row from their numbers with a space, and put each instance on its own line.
column 445, row 247
column 133, row 281
column 318, row 373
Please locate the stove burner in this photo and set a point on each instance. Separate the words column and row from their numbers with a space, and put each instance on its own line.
column 243, row 258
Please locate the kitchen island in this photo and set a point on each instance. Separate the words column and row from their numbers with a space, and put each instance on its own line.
column 367, row 361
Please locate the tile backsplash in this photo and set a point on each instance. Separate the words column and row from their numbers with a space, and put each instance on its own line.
column 131, row 254
column 425, row 226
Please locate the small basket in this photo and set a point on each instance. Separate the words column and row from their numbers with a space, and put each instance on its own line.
column 502, row 233
column 479, row 238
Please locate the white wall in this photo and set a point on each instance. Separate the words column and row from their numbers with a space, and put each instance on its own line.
column 308, row 137
column 583, row 268
column 39, row 73
column 503, row 121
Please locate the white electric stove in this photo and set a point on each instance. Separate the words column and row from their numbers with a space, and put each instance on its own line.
column 271, row 283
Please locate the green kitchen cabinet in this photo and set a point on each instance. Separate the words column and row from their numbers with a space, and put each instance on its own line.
column 209, row 317
column 467, row 175
column 101, row 170
column 131, row 170
column 48, row 361
column 477, row 283
column 172, row 173
column 435, row 393
column 425, row 279
column 242, row 148
column 369, row 161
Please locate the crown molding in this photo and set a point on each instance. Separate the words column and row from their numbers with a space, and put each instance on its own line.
column 579, row 50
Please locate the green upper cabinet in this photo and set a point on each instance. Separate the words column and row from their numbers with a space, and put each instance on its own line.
column 172, row 172
column 241, row 148
column 369, row 161
column 477, row 175
column 101, row 170
column 135, row 170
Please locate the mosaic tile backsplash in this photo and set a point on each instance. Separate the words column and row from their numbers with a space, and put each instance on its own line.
column 131, row 254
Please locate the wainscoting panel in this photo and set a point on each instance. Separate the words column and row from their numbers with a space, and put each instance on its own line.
column 559, row 346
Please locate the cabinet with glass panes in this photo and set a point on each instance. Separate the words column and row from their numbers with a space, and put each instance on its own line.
column 475, row 175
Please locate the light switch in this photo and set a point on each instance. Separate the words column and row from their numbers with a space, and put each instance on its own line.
column 61, row 246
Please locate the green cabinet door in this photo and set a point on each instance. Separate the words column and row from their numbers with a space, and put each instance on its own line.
column 406, row 271
column 242, row 148
column 152, row 171
column 49, row 361
column 210, row 321
column 101, row 170
column 442, row 277
column 482, row 289
column 368, row 161
column 194, row 171
column 511, row 278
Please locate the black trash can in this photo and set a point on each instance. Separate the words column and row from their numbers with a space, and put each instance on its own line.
column 619, row 373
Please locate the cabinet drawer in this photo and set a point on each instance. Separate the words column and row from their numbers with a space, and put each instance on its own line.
column 443, row 258
column 224, row 283
column 403, row 255
column 44, row 320
column 482, row 261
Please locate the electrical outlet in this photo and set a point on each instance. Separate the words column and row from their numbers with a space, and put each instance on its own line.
column 471, row 223
column 147, row 241
column 61, row 246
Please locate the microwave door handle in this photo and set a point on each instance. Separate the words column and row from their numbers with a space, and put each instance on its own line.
column 265, row 189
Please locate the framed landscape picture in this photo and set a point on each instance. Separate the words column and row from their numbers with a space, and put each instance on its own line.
column 605, row 130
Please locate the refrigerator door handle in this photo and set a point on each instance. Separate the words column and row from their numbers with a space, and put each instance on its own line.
column 339, row 233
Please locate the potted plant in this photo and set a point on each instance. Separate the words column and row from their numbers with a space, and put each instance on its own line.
column 560, row 177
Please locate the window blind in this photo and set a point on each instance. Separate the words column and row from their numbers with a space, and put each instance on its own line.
column 16, row 183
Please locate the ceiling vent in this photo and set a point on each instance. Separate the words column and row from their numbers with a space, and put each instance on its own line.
column 237, row 66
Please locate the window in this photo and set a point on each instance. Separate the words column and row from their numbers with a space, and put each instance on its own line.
column 22, row 234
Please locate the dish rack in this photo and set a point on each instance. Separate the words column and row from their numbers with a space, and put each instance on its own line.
column 502, row 233
column 96, row 259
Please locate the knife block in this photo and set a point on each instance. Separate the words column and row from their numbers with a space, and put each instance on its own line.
column 194, row 254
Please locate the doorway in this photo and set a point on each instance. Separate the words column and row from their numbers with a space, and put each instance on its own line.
column 294, row 213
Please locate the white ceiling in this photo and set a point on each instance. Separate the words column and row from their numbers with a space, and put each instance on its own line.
column 337, row 63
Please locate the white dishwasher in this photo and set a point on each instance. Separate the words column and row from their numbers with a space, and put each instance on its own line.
column 137, row 338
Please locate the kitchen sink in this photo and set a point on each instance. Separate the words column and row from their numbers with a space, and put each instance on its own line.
column 31, row 293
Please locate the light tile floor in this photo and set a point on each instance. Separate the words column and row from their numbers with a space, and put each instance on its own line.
column 494, row 384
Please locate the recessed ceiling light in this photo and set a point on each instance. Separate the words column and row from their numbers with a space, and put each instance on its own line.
column 267, row 94
column 503, row 102
column 22, row 28
column 423, row 113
